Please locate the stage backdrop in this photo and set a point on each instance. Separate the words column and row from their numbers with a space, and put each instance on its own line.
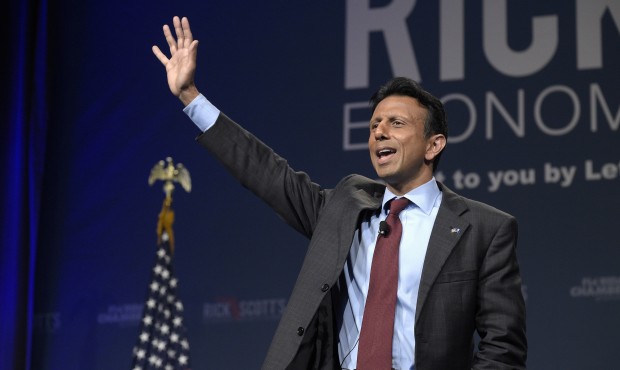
column 531, row 92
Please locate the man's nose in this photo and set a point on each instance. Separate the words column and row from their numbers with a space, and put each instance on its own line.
column 382, row 131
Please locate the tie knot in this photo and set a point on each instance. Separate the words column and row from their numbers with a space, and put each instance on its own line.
column 397, row 205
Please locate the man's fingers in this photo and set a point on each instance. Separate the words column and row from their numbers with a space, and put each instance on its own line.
column 187, row 32
column 178, row 29
column 172, row 43
column 184, row 39
column 193, row 47
column 161, row 56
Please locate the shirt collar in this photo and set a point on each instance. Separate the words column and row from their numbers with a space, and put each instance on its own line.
column 424, row 196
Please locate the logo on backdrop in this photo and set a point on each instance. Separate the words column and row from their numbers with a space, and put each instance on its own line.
column 47, row 322
column 512, row 109
column 227, row 309
column 121, row 314
column 598, row 287
column 588, row 102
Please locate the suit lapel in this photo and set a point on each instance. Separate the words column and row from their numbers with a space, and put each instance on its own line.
column 347, row 215
column 447, row 231
column 366, row 202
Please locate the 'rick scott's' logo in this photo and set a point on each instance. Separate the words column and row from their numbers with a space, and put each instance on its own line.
column 599, row 288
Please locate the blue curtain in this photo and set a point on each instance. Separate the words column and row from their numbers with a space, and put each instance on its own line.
column 22, row 143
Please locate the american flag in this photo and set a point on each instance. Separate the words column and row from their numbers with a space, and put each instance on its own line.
column 162, row 341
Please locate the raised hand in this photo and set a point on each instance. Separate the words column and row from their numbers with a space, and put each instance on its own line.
column 181, row 66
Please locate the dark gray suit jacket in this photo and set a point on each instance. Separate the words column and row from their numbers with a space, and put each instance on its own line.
column 470, row 279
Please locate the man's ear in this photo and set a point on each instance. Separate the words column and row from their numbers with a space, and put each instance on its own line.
column 435, row 145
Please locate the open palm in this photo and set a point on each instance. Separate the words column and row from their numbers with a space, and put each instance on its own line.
column 181, row 66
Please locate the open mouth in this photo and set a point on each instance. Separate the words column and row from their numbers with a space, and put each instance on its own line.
column 385, row 153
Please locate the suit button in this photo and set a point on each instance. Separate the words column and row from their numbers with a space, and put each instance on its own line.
column 325, row 288
column 300, row 331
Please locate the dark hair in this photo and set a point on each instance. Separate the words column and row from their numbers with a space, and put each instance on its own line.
column 436, row 122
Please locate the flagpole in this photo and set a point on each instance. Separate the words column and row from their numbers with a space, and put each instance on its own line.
column 162, row 342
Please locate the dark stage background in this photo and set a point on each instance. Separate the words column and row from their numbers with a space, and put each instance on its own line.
column 531, row 91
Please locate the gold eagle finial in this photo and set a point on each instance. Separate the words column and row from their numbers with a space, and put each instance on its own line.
column 169, row 174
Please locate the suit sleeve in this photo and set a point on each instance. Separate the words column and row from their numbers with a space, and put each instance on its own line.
column 257, row 167
column 500, row 317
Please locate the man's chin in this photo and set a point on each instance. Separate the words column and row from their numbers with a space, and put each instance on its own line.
column 384, row 172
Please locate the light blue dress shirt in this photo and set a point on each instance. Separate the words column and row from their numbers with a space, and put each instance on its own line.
column 417, row 220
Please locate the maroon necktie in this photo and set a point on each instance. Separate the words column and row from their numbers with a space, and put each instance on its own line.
column 375, row 347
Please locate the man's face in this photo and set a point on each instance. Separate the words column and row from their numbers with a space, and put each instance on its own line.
column 399, row 152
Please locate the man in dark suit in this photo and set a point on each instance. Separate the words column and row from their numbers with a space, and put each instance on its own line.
column 457, row 269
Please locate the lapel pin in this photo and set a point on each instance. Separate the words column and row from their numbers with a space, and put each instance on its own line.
column 455, row 230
